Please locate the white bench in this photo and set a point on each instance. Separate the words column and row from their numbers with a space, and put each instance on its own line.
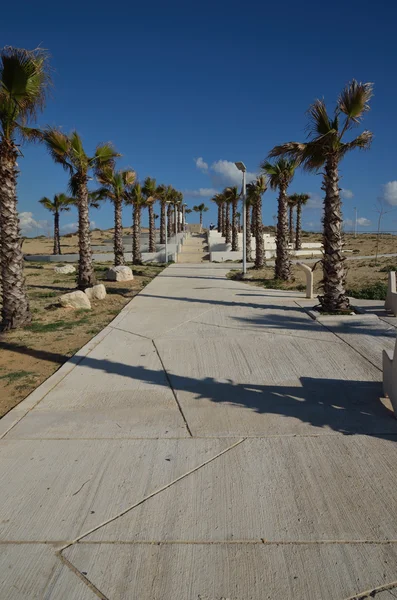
column 391, row 297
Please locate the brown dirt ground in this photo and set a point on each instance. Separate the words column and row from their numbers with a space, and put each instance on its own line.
column 30, row 355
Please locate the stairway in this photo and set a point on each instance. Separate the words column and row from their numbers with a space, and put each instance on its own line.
column 194, row 249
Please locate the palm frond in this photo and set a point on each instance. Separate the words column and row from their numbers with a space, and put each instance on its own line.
column 105, row 155
column 58, row 146
column 48, row 204
column 354, row 99
column 319, row 122
column 362, row 142
column 31, row 134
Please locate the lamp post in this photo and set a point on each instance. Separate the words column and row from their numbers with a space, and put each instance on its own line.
column 355, row 223
column 241, row 167
column 166, row 233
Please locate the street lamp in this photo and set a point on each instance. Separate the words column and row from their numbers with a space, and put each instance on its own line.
column 241, row 167
column 166, row 233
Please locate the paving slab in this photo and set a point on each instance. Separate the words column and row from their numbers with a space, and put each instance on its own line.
column 107, row 395
column 34, row 572
column 254, row 385
column 235, row 571
column 65, row 488
column 280, row 489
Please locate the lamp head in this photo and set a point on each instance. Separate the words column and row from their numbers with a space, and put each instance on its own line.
column 241, row 166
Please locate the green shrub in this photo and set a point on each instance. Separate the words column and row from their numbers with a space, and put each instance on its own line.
column 375, row 291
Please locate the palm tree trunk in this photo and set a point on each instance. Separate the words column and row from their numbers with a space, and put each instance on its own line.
column 86, row 276
column 162, row 222
column 15, row 310
column 248, row 236
column 152, row 229
column 228, row 230
column 334, row 274
column 291, row 224
column 136, row 239
column 57, row 239
column 253, row 220
column 282, row 270
column 169, row 221
column 298, row 240
column 179, row 215
column 118, row 234
column 260, row 249
column 224, row 211
column 219, row 218
column 201, row 219
column 234, row 228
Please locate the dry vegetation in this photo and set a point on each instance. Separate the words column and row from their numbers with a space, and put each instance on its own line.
column 30, row 355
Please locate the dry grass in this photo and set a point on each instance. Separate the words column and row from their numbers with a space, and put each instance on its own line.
column 30, row 355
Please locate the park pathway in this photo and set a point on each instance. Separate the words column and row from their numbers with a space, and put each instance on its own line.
column 213, row 442
column 194, row 250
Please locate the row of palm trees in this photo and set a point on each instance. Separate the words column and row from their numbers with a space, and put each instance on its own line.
column 24, row 84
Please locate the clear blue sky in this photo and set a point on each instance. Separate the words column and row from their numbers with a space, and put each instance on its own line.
column 171, row 82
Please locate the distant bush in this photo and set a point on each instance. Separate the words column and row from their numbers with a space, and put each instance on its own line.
column 375, row 291
column 69, row 235
column 388, row 268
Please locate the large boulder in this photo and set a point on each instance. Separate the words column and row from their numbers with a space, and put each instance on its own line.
column 77, row 299
column 65, row 269
column 97, row 292
column 120, row 273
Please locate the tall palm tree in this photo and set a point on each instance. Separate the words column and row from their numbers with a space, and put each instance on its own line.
column 219, row 201
column 201, row 208
column 299, row 201
column 232, row 195
column 164, row 193
column 115, row 185
column 137, row 198
column 68, row 151
column 280, row 176
column 178, row 204
column 255, row 191
column 24, row 80
column 291, row 205
column 150, row 191
column 60, row 203
column 326, row 148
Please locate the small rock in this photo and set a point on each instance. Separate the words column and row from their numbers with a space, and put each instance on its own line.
column 120, row 273
column 76, row 299
column 98, row 292
column 65, row 269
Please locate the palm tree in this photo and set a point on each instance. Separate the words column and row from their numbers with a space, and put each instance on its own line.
column 280, row 176
column 299, row 201
column 326, row 148
column 164, row 194
column 60, row 203
column 115, row 186
column 137, row 198
column 150, row 191
column 255, row 191
column 24, row 80
column 200, row 209
column 219, row 201
column 232, row 195
column 178, row 204
column 291, row 205
column 68, row 151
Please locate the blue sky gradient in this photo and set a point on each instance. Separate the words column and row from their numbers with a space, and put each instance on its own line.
column 172, row 82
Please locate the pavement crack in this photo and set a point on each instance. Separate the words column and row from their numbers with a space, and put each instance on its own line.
column 374, row 591
column 188, row 321
column 81, row 487
column 81, row 576
column 172, row 389
column 155, row 493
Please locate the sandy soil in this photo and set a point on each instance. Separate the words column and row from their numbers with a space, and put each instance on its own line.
column 30, row 355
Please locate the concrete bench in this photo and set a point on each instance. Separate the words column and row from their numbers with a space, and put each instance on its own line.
column 391, row 297
column 390, row 377
column 309, row 278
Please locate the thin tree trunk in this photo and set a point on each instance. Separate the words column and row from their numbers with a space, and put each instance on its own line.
column 253, row 220
column 291, row 224
column 15, row 310
column 248, row 237
column 152, row 229
column 57, row 239
column 228, row 232
column 169, row 221
column 219, row 227
column 234, row 228
column 162, row 222
column 298, row 240
column 224, row 211
column 86, row 276
column 334, row 273
column 179, row 215
column 118, row 234
column 282, row 269
column 201, row 220
column 136, row 239
column 260, row 249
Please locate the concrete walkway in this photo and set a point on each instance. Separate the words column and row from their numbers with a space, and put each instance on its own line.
column 212, row 443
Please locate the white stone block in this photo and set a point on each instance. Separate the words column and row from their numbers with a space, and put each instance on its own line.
column 120, row 273
column 97, row 292
column 65, row 269
column 77, row 299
